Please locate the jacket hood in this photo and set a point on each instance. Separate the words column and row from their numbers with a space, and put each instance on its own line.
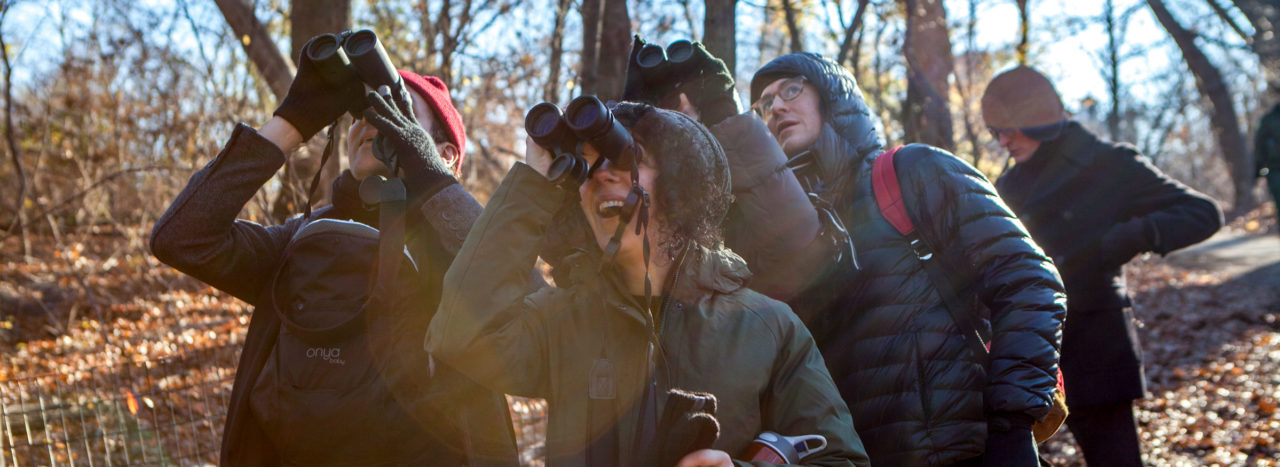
column 843, row 108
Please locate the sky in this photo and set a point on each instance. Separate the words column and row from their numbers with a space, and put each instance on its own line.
column 1065, row 47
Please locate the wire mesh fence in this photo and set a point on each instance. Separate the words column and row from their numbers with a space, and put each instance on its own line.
column 166, row 411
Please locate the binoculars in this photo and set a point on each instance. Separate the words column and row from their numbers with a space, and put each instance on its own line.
column 663, row 70
column 585, row 121
column 359, row 53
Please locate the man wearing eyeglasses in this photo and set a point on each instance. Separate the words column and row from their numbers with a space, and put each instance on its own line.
column 1092, row 205
column 919, row 393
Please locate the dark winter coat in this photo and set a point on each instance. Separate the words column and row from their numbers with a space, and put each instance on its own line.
column 1070, row 194
column 771, row 223
column 200, row 236
column 589, row 348
column 917, row 393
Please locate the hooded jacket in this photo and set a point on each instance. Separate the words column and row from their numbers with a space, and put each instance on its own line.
column 1071, row 192
column 588, row 349
column 200, row 236
column 917, row 394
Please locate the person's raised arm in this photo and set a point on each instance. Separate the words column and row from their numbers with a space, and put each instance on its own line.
column 199, row 234
column 488, row 326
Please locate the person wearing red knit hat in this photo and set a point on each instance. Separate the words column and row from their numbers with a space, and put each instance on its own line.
column 418, row 412
column 1092, row 205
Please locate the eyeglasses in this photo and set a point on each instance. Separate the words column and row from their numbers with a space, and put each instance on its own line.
column 996, row 133
column 788, row 91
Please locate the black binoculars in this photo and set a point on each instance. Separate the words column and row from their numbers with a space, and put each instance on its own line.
column 663, row 70
column 360, row 53
column 585, row 121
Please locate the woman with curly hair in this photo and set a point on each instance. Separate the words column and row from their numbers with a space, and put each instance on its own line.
column 602, row 353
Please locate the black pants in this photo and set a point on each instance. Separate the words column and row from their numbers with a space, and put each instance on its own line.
column 1107, row 434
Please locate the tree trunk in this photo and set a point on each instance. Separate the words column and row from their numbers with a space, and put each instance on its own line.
column 848, row 52
column 606, row 46
column 310, row 18
column 1264, row 15
column 965, row 84
column 1222, row 113
column 720, row 31
column 551, row 92
column 263, row 53
column 592, row 20
column 307, row 19
column 1024, row 31
column 927, row 46
column 793, row 26
column 1113, row 70
column 19, row 201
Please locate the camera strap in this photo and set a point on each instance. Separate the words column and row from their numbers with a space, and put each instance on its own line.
column 315, row 180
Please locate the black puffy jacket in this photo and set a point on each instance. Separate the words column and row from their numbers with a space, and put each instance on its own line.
column 917, row 394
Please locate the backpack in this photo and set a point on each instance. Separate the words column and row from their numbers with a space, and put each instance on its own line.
column 340, row 290
column 888, row 193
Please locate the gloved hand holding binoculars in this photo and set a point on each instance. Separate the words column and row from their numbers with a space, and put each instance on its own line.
column 658, row 76
column 585, row 121
column 332, row 76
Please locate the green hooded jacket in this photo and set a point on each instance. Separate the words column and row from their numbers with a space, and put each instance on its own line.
column 586, row 349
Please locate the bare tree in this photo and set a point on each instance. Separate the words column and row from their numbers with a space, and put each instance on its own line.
column 274, row 67
column 966, row 82
column 307, row 19
column 719, row 30
column 926, row 114
column 1113, row 69
column 1264, row 16
column 551, row 92
column 1222, row 113
column 606, row 46
column 793, row 26
column 1024, row 31
column 849, row 51
column 19, row 201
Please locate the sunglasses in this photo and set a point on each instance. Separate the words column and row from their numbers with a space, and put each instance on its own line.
column 788, row 91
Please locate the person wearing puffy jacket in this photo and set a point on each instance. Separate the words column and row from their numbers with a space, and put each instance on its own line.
column 918, row 394
column 1093, row 205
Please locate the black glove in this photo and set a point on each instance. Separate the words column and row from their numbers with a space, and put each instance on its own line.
column 1124, row 241
column 711, row 89
column 688, row 424
column 634, row 87
column 1010, row 442
column 314, row 102
column 705, row 79
column 402, row 140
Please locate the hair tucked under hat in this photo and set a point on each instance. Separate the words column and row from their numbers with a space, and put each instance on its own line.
column 1024, row 99
column 447, row 117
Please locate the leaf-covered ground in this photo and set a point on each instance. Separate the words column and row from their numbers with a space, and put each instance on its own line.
column 109, row 353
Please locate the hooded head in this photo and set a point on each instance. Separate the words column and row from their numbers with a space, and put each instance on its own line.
column 685, row 171
column 849, row 131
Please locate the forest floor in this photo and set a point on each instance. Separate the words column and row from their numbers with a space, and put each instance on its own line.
column 1209, row 321
column 109, row 353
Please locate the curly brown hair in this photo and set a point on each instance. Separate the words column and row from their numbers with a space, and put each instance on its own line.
column 692, row 188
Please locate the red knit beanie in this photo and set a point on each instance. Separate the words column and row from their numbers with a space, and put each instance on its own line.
column 447, row 117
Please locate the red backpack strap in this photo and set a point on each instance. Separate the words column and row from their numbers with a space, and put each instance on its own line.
column 884, row 181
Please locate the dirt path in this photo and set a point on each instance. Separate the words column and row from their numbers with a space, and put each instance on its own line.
column 1254, row 257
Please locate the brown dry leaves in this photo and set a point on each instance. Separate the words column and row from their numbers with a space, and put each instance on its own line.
column 1211, row 345
column 1211, row 342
